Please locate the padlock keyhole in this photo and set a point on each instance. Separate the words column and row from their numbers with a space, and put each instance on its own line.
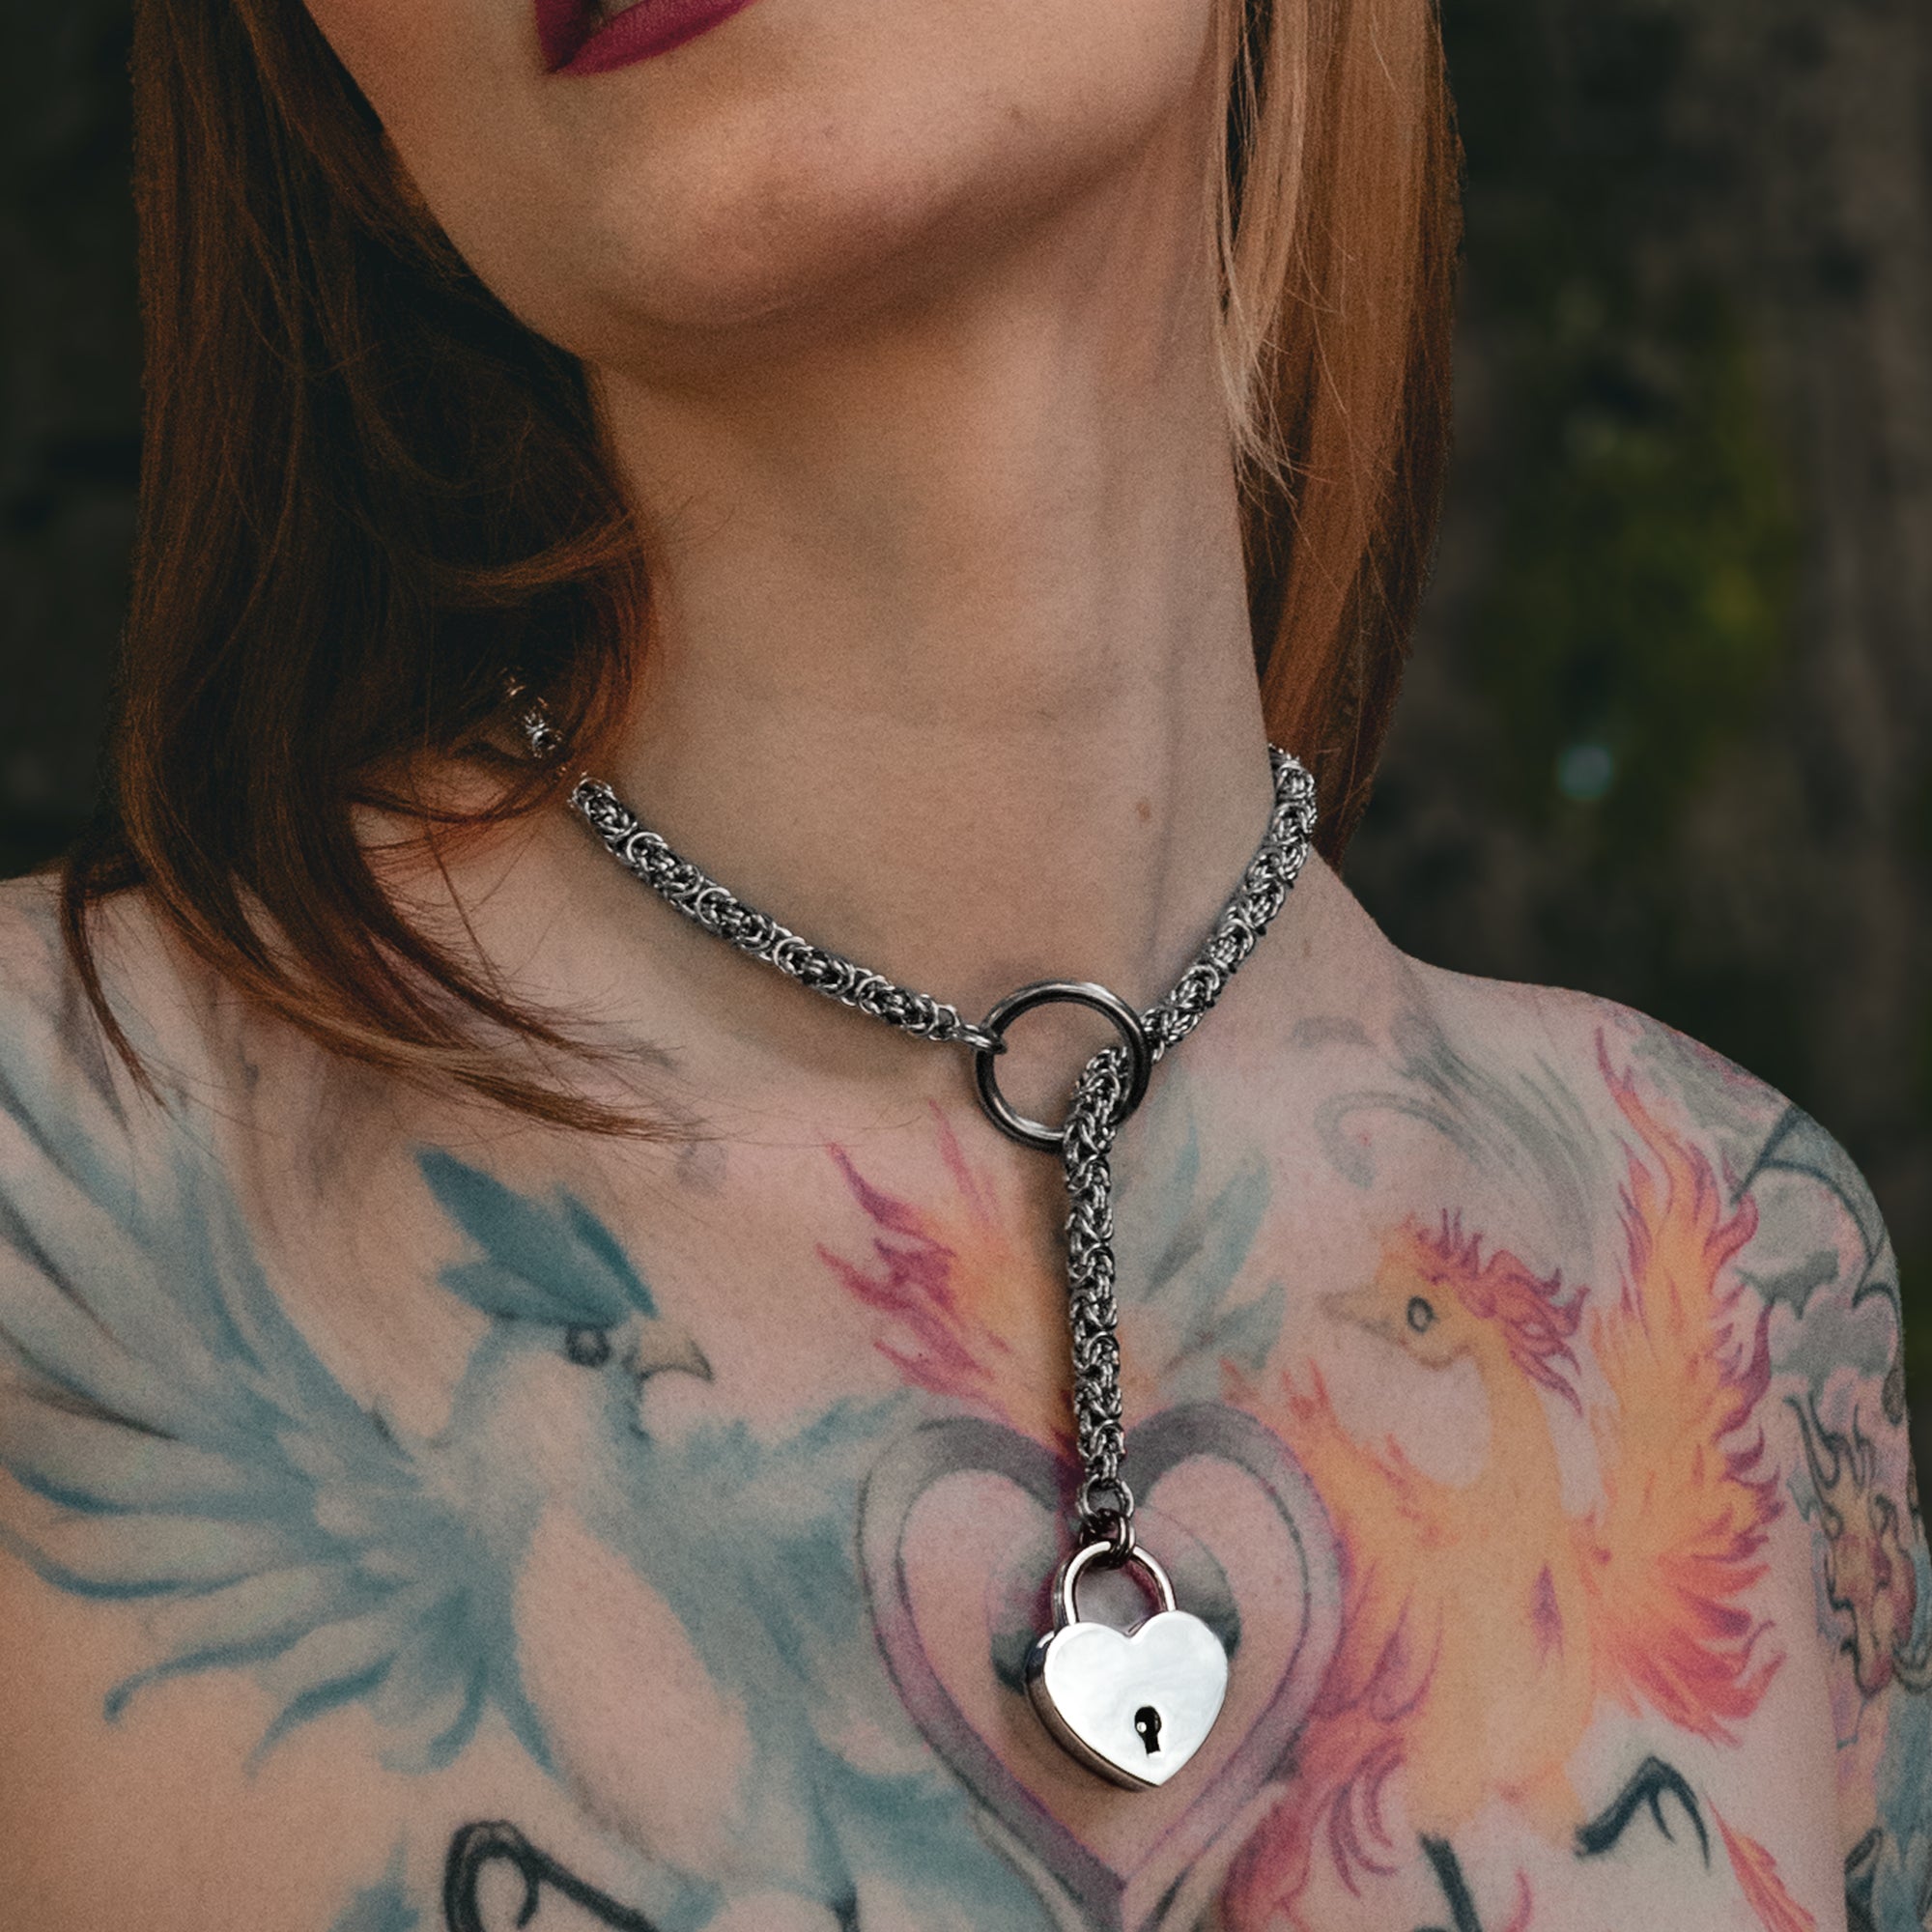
column 1147, row 1724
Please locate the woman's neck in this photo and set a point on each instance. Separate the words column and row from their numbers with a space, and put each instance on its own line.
column 950, row 664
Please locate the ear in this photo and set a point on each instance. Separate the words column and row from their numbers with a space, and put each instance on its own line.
column 555, row 1265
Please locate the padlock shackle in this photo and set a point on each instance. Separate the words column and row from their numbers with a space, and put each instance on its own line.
column 1067, row 1583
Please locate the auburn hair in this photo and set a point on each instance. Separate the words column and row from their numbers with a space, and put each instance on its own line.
column 368, row 492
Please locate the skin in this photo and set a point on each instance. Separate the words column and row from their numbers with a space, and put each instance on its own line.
column 404, row 1506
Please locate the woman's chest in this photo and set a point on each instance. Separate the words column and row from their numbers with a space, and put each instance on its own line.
column 814, row 1711
column 1503, row 1649
column 700, row 1579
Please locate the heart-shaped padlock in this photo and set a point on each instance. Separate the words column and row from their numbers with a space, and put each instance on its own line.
column 1132, row 1705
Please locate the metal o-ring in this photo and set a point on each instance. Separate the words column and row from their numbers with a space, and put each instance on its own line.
column 1049, row 992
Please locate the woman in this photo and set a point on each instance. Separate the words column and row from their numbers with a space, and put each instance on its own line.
column 517, row 1413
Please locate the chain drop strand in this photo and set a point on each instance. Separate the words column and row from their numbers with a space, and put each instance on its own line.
column 1106, row 1503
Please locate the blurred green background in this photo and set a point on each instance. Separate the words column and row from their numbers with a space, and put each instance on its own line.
column 1669, row 731
column 1668, row 734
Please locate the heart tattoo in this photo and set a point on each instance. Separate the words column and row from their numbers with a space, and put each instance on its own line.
column 1148, row 1863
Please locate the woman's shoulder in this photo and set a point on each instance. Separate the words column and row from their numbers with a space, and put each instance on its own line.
column 1628, row 1082
column 1633, row 1119
column 1732, row 1234
column 148, row 1381
column 60, row 1078
column 36, row 976
column 1737, row 1217
column 1474, row 1083
column 1648, row 1304
column 64, row 1075
column 118, row 1138
column 104, row 1143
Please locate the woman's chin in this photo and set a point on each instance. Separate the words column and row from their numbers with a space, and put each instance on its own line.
column 777, row 251
column 805, row 153
column 791, row 238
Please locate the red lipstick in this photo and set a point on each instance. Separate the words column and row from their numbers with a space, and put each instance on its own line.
column 577, row 37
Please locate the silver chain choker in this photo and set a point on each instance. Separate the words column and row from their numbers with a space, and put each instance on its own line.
column 1131, row 1706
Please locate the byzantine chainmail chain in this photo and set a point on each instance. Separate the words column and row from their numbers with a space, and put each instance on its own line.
column 1132, row 1706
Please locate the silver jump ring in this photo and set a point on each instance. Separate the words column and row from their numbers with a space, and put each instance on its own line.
column 1067, row 1584
column 1048, row 993
column 1105, row 1505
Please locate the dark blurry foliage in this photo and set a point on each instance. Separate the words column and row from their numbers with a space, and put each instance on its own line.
column 1641, row 608
column 68, row 406
column 1668, row 734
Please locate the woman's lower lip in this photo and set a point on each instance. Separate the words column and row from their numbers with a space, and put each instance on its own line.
column 573, row 42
